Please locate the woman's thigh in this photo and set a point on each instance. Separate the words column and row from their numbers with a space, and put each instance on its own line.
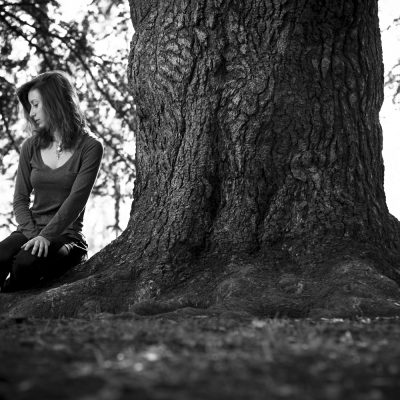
column 11, row 245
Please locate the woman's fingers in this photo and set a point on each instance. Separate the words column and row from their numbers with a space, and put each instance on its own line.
column 45, row 249
column 35, row 244
column 37, row 248
column 39, row 245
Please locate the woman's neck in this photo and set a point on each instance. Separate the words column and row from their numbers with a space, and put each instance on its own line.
column 57, row 137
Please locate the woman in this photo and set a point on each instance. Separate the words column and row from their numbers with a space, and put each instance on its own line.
column 58, row 164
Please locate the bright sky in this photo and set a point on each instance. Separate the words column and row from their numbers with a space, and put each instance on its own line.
column 71, row 8
column 390, row 114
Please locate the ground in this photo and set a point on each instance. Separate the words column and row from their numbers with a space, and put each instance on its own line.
column 193, row 354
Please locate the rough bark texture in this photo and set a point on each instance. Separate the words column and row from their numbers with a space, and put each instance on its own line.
column 260, row 175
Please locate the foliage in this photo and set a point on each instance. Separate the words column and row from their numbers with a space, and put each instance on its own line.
column 393, row 76
column 93, row 48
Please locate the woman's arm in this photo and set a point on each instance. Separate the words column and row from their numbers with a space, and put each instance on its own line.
column 22, row 193
column 80, row 191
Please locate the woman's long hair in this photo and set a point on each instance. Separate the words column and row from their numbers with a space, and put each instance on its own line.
column 60, row 105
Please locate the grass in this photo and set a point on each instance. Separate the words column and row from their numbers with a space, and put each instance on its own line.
column 193, row 355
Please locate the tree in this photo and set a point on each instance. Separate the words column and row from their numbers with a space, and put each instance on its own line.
column 260, row 178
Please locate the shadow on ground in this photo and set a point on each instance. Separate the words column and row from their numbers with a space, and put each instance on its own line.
column 194, row 354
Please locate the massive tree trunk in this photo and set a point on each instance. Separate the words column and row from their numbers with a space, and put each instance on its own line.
column 259, row 169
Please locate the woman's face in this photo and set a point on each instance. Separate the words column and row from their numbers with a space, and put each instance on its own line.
column 37, row 111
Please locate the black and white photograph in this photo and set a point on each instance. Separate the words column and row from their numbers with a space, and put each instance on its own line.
column 199, row 199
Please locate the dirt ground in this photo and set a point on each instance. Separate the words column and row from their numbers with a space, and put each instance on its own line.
column 191, row 354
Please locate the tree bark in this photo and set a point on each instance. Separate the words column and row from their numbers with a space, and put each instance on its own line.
column 259, row 169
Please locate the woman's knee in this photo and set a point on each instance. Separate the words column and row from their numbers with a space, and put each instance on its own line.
column 5, row 257
column 23, row 265
column 6, row 253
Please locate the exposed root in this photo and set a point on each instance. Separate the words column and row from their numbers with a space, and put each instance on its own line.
column 346, row 285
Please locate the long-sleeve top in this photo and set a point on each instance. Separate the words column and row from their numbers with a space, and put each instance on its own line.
column 59, row 194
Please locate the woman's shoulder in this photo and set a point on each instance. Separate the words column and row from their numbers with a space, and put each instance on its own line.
column 90, row 139
column 91, row 144
column 29, row 141
column 28, row 145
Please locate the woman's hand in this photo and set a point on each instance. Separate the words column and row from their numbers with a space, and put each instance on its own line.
column 39, row 244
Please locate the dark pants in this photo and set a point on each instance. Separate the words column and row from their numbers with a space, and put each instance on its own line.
column 27, row 270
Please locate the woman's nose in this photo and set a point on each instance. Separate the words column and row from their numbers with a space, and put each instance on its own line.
column 31, row 112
